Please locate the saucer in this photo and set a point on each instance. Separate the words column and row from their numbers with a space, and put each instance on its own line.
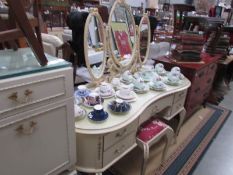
column 141, row 91
column 80, row 94
column 126, row 81
column 130, row 97
column 106, row 94
column 157, row 89
column 111, row 108
column 168, row 82
column 93, row 118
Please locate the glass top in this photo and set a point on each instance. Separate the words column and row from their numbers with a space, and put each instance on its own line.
column 23, row 62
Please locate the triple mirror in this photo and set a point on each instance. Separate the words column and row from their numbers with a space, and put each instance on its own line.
column 126, row 44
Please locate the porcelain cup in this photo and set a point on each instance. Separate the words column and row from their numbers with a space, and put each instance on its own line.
column 116, row 82
column 173, row 77
column 125, row 91
column 82, row 91
column 99, row 112
column 175, row 69
column 93, row 98
column 105, row 88
column 78, row 111
column 159, row 85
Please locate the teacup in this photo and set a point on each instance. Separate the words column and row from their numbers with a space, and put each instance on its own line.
column 175, row 69
column 173, row 77
column 119, row 105
column 125, row 91
column 105, row 88
column 159, row 65
column 98, row 112
column 82, row 91
column 127, row 76
column 79, row 112
column 93, row 99
column 116, row 82
column 159, row 85
column 138, row 84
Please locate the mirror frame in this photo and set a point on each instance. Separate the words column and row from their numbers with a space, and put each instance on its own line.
column 117, row 64
column 93, row 12
column 145, row 16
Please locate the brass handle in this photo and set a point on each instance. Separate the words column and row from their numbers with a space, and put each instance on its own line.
column 14, row 97
column 28, row 92
column 121, row 133
column 21, row 129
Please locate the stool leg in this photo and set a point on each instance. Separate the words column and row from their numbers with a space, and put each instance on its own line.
column 182, row 115
column 145, row 158
column 169, row 137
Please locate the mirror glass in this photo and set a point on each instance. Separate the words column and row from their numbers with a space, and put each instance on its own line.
column 123, row 34
column 95, row 45
column 144, row 40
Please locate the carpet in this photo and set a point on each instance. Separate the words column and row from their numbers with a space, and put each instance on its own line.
column 193, row 140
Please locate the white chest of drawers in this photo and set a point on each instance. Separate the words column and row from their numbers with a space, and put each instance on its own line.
column 37, row 123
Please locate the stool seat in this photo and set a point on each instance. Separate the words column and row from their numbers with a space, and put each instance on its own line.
column 150, row 133
column 150, row 129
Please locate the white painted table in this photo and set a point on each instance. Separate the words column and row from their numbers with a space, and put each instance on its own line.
column 100, row 145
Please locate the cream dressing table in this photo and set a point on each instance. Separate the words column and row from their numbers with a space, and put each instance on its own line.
column 101, row 144
column 36, row 115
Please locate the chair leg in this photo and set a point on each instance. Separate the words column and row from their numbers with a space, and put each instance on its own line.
column 145, row 158
column 169, row 137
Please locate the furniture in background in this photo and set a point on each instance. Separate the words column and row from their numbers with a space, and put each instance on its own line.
column 17, row 24
column 200, row 74
column 36, row 115
column 180, row 11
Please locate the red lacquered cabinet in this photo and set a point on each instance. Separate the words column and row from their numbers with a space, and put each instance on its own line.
column 201, row 76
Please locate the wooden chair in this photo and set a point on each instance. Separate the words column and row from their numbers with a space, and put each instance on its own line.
column 17, row 25
column 180, row 10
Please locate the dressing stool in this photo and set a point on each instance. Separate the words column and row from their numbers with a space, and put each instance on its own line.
column 151, row 132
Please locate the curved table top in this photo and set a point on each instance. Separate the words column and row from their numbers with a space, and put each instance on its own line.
column 115, row 122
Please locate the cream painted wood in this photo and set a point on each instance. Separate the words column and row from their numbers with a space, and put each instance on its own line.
column 38, row 136
column 113, row 137
column 94, row 14
column 110, row 40
column 117, row 149
column 97, row 142
column 27, row 92
column 140, row 27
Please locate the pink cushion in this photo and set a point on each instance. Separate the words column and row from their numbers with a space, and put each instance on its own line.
column 150, row 129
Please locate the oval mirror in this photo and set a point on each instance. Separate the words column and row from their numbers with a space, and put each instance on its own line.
column 122, row 42
column 95, row 45
column 144, row 38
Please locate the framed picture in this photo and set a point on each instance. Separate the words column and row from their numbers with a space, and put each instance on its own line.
column 122, row 38
column 105, row 2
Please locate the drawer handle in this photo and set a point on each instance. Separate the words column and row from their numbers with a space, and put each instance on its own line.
column 118, row 151
column 121, row 133
column 14, row 97
column 28, row 92
column 26, row 131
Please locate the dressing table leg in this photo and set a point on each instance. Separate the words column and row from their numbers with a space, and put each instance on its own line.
column 145, row 159
column 182, row 115
column 98, row 173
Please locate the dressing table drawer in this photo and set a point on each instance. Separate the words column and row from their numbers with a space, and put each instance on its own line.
column 180, row 95
column 178, row 105
column 119, row 148
column 113, row 137
column 156, row 107
column 27, row 92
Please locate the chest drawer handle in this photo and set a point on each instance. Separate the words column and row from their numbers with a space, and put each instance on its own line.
column 28, row 92
column 121, row 133
column 21, row 129
column 14, row 97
